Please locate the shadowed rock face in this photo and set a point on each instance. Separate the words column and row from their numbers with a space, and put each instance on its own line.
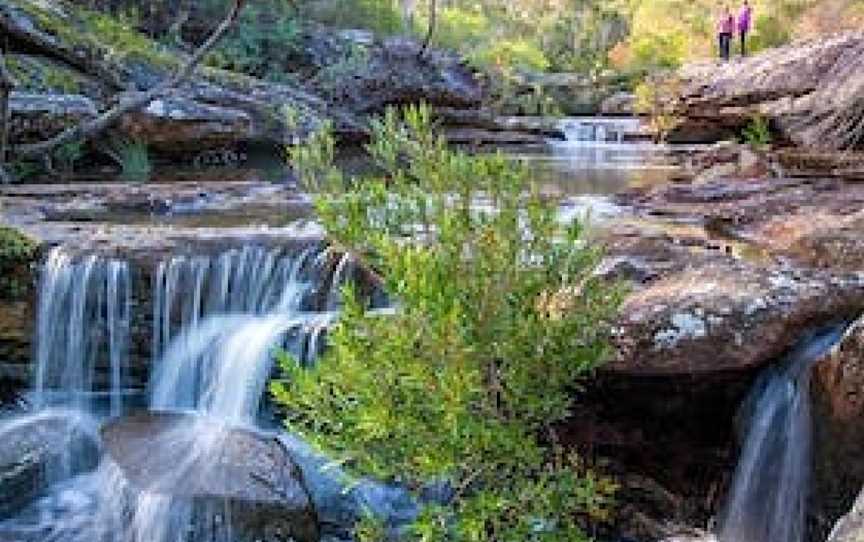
column 201, row 460
column 838, row 392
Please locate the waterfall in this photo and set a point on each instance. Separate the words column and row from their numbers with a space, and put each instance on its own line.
column 768, row 499
column 596, row 130
column 83, row 324
column 217, row 322
column 251, row 280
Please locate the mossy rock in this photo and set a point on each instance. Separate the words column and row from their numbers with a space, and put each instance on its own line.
column 17, row 254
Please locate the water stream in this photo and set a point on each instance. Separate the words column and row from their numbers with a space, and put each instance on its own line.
column 768, row 499
column 217, row 322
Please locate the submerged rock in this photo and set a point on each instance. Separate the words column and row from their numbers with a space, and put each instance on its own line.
column 37, row 450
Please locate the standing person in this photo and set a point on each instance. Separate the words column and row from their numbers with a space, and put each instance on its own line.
column 725, row 29
column 745, row 17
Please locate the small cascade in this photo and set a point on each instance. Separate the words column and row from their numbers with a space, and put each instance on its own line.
column 768, row 499
column 250, row 280
column 84, row 324
column 217, row 322
column 597, row 130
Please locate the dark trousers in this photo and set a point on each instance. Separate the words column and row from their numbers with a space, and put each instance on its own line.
column 743, row 42
column 725, row 42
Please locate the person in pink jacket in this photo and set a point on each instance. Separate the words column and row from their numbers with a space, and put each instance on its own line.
column 745, row 21
column 725, row 30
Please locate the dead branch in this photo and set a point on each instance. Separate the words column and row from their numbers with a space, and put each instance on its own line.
column 89, row 129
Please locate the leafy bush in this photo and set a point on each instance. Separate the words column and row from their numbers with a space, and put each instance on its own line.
column 499, row 318
column 769, row 31
column 135, row 161
column 259, row 43
column 460, row 28
column 655, row 98
column 757, row 133
column 17, row 252
column 516, row 53
column 380, row 16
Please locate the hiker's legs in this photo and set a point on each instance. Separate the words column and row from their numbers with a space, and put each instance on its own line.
column 724, row 46
column 743, row 43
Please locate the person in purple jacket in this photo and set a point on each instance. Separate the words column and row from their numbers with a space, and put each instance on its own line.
column 725, row 29
column 745, row 18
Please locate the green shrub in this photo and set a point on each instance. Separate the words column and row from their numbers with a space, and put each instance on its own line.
column 135, row 161
column 380, row 16
column 17, row 252
column 459, row 28
column 258, row 44
column 499, row 319
column 516, row 53
column 757, row 133
column 769, row 31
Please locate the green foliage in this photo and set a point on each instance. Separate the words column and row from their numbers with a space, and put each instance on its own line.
column 380, row 16
column 757, row 133
column 135, row 161
column 370, row 529
column 773, row 32
column 66, row 155
column 655, row 99
column 354, row 60
column 499, row 318
column 17, row 252
column 518, row 53
column 113, row 37
column 258, row 43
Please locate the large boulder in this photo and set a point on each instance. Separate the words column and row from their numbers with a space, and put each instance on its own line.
column 726, row 275
column 247, row 478
column 39, row 449
column 850, row 528
column 796, row 87
column 838, row 393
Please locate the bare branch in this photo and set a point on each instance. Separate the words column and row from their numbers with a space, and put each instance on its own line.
column 89, row 129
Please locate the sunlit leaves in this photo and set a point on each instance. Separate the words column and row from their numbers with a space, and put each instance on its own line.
column 458, row 385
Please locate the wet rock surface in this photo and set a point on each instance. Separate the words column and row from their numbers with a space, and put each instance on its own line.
column 248, row 476
column 32, row 454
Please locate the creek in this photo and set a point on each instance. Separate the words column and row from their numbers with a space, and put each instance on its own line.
column 190, row 330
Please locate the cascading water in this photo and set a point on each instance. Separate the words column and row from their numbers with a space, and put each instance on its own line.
column 768, row 499
column 217, row 321
column 599, row 130
column 84, row 323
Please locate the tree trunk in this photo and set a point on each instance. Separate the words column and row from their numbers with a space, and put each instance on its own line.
column 89, row 129
column 433, row 15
